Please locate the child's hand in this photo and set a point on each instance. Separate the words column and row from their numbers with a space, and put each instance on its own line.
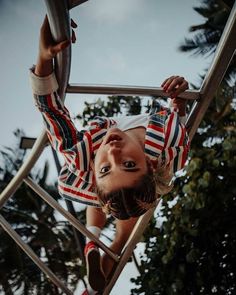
column 48, row 49
column 174, row 86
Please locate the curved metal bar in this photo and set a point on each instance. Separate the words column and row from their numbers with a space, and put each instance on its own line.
column 224, row 53
column 59, row 21
column 24, row 170
column 126, row 90
column 60, row 26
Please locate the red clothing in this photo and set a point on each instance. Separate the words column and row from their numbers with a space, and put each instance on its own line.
column 166, row 140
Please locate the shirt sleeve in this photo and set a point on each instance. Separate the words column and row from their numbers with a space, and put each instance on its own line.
column 62, row 134
column 176, row 143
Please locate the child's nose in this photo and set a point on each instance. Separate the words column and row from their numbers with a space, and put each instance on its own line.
column 114, row 153
column 114, row 150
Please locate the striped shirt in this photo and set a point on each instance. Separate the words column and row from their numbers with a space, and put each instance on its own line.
column 166, row 140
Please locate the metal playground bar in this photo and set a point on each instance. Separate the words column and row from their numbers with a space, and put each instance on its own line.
column 59, row 19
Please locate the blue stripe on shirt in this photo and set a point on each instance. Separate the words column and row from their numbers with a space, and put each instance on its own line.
column 84, row 155
column 156, row 136
column 96, row 138
column 176, row 133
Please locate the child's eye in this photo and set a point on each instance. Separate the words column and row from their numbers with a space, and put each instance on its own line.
column 104, row 169
column 129, row 164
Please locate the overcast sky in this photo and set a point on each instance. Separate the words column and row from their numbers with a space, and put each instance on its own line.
column 132, row 42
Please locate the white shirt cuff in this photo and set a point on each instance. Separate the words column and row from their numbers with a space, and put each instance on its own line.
column 182, row 119
column 43, row 85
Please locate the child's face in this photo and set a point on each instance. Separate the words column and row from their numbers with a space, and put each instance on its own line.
column 120, row 161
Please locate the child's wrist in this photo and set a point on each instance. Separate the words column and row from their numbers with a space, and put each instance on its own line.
column 180, row 105
column 43, row 67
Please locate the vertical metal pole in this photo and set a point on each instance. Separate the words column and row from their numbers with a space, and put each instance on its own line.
column 59, row 21
column 223, row 55
column 129, row 247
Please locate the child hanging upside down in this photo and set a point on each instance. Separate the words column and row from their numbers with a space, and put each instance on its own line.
column 118, row 166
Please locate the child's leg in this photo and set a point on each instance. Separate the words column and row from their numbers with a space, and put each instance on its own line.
column 95, row 217
column 123, row 231
column 95, row 222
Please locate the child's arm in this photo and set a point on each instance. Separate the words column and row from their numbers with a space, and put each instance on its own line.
column 176, row 138
column 61, row 131
column 174, row 86
column 48, row 49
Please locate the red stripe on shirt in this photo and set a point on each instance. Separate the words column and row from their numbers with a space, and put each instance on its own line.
column 171, row 155
column 168, row 129
column 77, row 193
column 152, row 143
column 155, row 127
column 77, row 183
column 183, row 132
column 70, row 125
column 55, row 126
column 89, row 142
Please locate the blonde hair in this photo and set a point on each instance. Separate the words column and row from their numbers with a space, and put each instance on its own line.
column 163, row 179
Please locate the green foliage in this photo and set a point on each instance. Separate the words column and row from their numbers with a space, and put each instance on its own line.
column 114, row 105
column 207, row 34
column 193, row 252
column 52, row 240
